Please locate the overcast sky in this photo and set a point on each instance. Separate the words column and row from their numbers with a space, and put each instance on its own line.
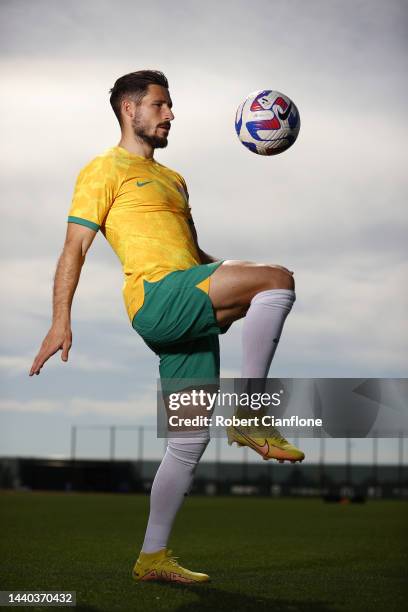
column 332, row 208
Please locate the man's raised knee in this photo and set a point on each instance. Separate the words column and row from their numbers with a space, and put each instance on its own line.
column 279, row 278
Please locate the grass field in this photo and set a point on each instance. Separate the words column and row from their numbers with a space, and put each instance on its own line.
column 277, row 555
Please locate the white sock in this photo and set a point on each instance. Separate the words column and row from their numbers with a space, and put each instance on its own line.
column 171, row 484
column 262, row 329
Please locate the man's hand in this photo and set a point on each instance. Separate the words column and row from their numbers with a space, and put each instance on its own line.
column 58, row 338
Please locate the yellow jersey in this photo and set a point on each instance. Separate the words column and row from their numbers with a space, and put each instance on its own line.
column 141, row 207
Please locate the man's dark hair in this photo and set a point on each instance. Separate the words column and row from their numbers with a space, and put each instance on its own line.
column 134, row 84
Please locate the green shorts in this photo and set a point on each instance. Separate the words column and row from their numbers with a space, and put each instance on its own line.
column 177, row 321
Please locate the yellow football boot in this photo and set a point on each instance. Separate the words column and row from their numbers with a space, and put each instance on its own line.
column 274, row 446
column 162, row 566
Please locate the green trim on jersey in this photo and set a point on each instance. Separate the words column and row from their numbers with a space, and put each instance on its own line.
column 90, row 224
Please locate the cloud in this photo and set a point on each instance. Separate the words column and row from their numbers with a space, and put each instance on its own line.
column 14, row 365
column 40, row 406
column 29, row 283
column 137, row 407
column 322, row 38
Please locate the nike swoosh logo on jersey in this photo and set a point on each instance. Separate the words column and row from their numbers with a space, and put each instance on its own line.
column 142, row 183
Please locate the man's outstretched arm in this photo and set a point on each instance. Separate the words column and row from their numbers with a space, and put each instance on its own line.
column 204, row 257
column 78, row 240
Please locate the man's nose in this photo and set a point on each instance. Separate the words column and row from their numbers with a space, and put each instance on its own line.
column 169, row 114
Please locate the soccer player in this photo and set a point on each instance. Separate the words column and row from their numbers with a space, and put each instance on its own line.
column 142, row 209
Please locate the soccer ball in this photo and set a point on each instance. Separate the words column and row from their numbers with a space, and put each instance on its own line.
column 267, row 122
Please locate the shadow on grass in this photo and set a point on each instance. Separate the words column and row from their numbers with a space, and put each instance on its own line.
column 209, row 598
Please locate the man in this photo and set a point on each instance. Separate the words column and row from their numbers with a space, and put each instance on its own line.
column 142, row 209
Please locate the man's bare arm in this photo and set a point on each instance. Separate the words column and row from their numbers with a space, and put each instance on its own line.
column 204, row 257
column 78, row 240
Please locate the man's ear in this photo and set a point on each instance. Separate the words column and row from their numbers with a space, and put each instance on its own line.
column 127, row 107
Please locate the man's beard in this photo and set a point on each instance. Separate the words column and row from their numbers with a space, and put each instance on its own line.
column 157, row 142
